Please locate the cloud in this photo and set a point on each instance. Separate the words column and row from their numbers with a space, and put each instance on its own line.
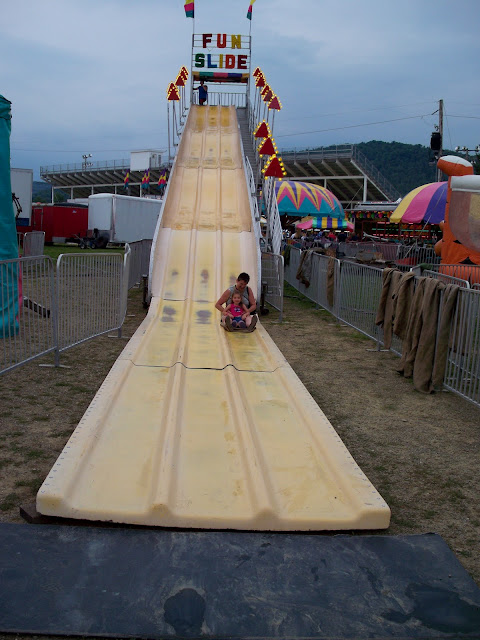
column 91, row 75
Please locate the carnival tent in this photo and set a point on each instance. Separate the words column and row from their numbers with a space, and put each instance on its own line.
column 303, row 198
column 425, row 204
column 314, row 222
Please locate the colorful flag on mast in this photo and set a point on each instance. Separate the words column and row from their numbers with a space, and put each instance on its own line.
column 162, row 180
column 146, row 179
column 250, row 9
column 126, row 180
column 190, row 8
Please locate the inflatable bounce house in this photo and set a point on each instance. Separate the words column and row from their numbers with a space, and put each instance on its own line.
column 460, row 247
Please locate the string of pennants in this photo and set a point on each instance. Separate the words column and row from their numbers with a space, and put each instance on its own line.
column 162, row 180
column 274, row 167
column 266, row 90
column 173, row 93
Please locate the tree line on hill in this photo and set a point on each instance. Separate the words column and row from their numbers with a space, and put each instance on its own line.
column 42, row 192
column 406, row 166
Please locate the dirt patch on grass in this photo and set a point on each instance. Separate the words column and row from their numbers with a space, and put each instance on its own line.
column 41, row 406
column 421, row 452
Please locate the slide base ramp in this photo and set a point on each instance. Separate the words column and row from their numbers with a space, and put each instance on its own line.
column 117, row 582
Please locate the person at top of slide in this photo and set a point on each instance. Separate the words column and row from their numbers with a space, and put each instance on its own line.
column 202, row 92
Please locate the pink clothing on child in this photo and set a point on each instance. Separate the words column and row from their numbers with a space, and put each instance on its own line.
column 235, row 310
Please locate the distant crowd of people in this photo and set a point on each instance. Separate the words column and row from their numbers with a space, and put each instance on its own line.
column 324, row 238
column 307, row 239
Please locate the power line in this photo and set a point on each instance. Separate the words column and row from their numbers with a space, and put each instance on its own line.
column 341, row 113
column 351, row 126
column 471, row 117
column 75, row 150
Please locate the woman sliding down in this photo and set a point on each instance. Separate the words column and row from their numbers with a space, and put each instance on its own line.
column 247, row 305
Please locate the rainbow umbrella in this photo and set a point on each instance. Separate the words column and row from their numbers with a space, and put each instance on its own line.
column 314, row 222
column 424, row 204
column 303, row 198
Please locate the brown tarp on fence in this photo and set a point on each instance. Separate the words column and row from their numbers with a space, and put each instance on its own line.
column 425, row 344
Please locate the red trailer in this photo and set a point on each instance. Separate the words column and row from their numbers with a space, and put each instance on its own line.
column 60, row 222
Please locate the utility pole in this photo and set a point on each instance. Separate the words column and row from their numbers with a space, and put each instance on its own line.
column 440, row 129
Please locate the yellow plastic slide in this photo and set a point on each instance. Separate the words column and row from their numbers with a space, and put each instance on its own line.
column 194, row 426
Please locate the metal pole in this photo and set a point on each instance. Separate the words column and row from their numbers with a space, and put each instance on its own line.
column 440, row 128
column 168, row 128
column 191, row 63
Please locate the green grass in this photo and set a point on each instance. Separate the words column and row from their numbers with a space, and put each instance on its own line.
column 34, row 454
column 53, row 251
column 403, row 522
column 9, row 502
column 34, row 484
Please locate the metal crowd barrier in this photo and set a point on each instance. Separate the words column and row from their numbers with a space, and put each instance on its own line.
column 403, row 255
column 328, row 279
column 45, row 309
column 89, row 294
column 324, row 278
column 272, row 279
column 139, row 261
column 411, row 255
column 33, row 243
column 348, row 249
column 462, row 373
column 291, row 271
column 445, row 278
column 27, row 310
column 468, row 272
column 357, row 296
column 388, row 250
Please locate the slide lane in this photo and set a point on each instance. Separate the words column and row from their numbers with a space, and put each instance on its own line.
column 194, row 426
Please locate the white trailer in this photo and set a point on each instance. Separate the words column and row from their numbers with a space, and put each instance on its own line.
column 122, row 218
column 22, row 185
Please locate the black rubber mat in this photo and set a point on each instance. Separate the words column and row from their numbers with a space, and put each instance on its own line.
column 164, row 584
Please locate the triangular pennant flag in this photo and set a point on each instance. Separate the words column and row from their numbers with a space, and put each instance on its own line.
column 260, row 81
column 265, row 89
column 268, row 96
column 267, row 148
column 262, row 131
column 274, row 168
column 275, row 104
column 184, row 72
column 256, row 72
column 180, row 82
column 172, row 93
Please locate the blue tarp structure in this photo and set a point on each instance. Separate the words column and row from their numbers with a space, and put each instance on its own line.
column 8, row 231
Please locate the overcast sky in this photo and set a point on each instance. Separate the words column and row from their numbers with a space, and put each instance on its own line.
column 89, row 76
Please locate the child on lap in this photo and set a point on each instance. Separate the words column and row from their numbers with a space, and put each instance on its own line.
column 237, row 312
